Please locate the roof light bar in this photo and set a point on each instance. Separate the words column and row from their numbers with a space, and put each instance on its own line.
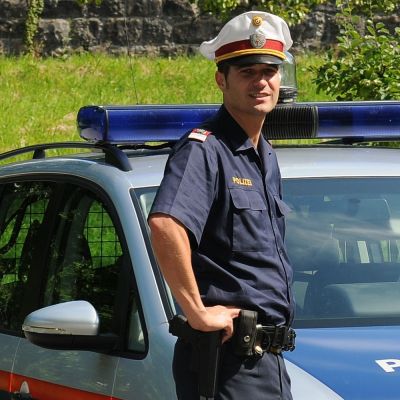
column 359, row 119
column 140, row 124
column 165, row 123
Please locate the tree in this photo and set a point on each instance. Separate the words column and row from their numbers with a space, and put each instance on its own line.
column 365, row 64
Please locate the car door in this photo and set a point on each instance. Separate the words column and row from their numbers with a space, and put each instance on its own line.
column 75, row 251
column 20, row 214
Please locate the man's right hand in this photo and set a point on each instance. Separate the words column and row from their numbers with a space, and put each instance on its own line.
column 215, row 318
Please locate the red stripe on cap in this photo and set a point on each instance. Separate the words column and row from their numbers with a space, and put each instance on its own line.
column 270, row 44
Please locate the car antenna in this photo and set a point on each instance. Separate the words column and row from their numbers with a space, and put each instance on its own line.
column 130, row 58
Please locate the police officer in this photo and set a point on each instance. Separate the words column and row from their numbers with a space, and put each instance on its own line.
column 217, row 222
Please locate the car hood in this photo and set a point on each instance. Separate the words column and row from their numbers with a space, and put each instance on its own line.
column 356, row 363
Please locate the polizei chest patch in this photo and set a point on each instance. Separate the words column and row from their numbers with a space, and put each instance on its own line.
column 199, row 134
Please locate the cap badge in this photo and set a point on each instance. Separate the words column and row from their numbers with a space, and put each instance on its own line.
column 257, row 20
column 257, row 40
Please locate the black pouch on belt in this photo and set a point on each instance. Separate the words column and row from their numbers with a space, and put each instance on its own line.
column 244, row 333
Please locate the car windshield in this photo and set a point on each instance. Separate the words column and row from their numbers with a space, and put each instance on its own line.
column 343, row 239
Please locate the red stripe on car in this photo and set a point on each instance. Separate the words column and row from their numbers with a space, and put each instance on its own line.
column 43, row 390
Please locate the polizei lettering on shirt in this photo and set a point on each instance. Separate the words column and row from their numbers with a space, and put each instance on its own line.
column 242, row 181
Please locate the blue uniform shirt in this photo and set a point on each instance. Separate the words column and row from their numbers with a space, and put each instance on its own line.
column 228, row 196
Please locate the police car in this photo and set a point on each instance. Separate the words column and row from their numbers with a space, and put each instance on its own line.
column 84, row 309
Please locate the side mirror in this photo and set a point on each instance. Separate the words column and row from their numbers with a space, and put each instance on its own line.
column 72, row 325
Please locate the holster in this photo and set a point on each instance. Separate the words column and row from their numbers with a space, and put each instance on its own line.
column 205, row 353
column 245, row 327
column 252, row 339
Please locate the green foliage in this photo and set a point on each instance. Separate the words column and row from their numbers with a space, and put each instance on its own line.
column 365, row 65
column 221, row 8
column 87, row 2
column 367, row 7
column 292, row 11
column 35, row 9
column 307, row 89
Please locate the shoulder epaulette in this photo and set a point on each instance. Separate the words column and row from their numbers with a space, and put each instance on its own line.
column 199, row 134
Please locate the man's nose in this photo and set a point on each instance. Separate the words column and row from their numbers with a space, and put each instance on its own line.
column 262, row 79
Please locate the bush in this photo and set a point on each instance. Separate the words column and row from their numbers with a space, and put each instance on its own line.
column 365, row 65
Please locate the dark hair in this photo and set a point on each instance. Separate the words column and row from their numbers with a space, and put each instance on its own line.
column 242, row 61
column 223, row 67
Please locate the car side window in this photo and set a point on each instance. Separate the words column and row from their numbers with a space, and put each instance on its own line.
column 87, row 261
column 22, row 209
column 85, row 256
column 343, row 240
column 58, row 243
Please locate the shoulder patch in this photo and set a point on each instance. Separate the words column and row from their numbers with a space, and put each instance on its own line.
column 199, row 134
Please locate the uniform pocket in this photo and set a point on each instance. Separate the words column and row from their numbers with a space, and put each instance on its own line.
column 247, row 199
column 250, row 227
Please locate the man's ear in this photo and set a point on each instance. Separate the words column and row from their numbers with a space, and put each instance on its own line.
column 220, row 79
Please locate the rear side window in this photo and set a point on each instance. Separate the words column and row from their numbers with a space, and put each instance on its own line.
column 22, row 210
column 60, row 242
column 85, row 257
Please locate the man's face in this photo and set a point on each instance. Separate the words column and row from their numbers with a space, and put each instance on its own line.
column 250, row 89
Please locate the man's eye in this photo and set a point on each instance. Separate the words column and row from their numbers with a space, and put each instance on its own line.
column 270, row 71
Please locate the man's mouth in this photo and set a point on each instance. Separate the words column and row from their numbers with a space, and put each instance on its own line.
column 259, row 95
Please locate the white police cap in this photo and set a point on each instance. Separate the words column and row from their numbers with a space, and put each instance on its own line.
column 252, row 37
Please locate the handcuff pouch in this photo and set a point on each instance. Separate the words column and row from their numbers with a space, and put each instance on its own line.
column 245, row 326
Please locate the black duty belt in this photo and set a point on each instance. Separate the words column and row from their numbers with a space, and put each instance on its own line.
column 274, row 339
column 253, row 339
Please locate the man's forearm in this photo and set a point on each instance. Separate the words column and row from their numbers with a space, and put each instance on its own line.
column 172, row 248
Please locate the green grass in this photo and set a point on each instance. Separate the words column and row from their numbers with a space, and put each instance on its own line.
column 40, row 97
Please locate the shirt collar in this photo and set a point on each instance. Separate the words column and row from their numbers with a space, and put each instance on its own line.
column 233, row 133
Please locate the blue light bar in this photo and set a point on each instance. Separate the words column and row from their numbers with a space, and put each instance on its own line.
column 378, row 120
column 140, row 124
column 359, row 119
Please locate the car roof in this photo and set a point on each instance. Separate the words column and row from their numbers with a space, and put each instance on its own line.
column 338, row 161
column 305, row 161
column 298, row 162
column 148, row 171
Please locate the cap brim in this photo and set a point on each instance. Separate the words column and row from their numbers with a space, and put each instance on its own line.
column 255, row 59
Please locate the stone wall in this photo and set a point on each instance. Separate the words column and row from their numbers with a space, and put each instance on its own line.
column 152, row 27
column 156, row 27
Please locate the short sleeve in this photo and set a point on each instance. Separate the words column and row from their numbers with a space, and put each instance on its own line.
column 188, row 188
